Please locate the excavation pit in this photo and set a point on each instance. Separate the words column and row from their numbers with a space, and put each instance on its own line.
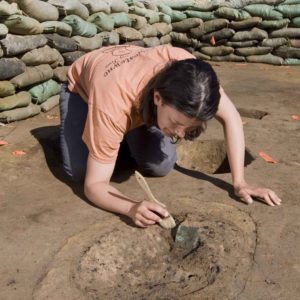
column 208, row 156
column 113, row 260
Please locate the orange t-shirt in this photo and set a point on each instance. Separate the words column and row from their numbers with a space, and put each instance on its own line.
column 109, row 80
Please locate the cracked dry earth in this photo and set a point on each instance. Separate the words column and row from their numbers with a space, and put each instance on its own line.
column 55, row 245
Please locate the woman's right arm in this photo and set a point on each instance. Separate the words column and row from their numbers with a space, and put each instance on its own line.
column 98, row 190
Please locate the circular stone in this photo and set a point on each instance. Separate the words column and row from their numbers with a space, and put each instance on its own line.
column 114, row 260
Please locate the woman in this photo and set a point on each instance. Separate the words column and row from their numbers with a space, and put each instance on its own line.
column 150, row 97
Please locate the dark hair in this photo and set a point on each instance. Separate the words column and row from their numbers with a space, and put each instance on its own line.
column 190, row 86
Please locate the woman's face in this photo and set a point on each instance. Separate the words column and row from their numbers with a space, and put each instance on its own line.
column 172, row 122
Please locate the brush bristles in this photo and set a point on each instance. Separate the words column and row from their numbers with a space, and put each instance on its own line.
column 167, row 223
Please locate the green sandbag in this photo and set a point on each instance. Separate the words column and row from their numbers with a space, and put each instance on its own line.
column 88, row 43
column 274, row 43
column 179, row 4
column 185, row 25
column 11, row 67
column 6, row 88
column 40, row 93
column 203, row 15
column 264, row 11
column 151, row 16
column 61, row 43
column 80, row 26
column 137, row 22
column 166, row 39
column 128, row 34
column 109, row 38
column 294, row 43
column 241, row 44
column 216, row 51
column 8, row 9
column 121, row 19
column 265, row 59
column 229, row 57
column 165, row 18
column 291, row 2
column 232, row 13
column 286, row 32
column 60, row 73
column 289, row 11
column 23, row 25
column 43, row 55
column 16, row 44
column 243, row 3
column 151, row 41
column 33, row 75
column 118, row 6
column 287, row 52
column 162, row 28
column 39, row 10
column 204, row 6
column 200, row 55
column 295, row 22
column 3, row 31
column 274, row 24
column 164, row 8
column 291, row 61
column 70, row 57
column 57, row 27
column 207, row 27
column 50, row 103
column 183, row 39
column 247, row 51
column 21, row 99
column 253, row 34
column 19, row 113
column 177, row 16
column 102, row 21
column 95, row 6
column 148, row 31
column 225, row 33
column 240, row 25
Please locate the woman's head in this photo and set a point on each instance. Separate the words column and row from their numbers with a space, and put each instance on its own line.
column 186, row 93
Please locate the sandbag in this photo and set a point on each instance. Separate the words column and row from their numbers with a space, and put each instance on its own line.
column 285, row 32
column 41, row 92
column 7, row 9
column 102, row 21
column 203, row 15
column 14, row 44
column 11, row 67
column 247, row 51
column 137, row 22
column 110, row 38
column 200, row 55
column 33, row 75
column 185, row 25
column 118, row 6
column 164, row 18
column 3, row 31
column 166, row 39
column 44, row 55
column 50, row 103
column 229, row 57
column 128, row 34
column 241, row 44
column 70, row 57
column 204, row 6
column 148, row 31
column 6, row 88
column 265, row 59
column 18, row 24
column 232, row 13
column 179, row 4
column 57, row 27
column 163, row 8
column 289, row 11
column 60, row 73
column 121, row 19
column 151, row 16
column 264, row 11
column 291, row 2
column 39, row 10
column 151, row 41
column 225, row 33
column 72, row 7
column 274, row 24
column 21, row 99
column 19, row 113
column 61, row 43
column 182, row 39
column 274, row 43
column 216, row 51
column 95, row 6
column 162, row 28
column 253, row 34
column 88, row 44
column 291, row 61
column 295, row 22
column 80, row 26
column 248, row 23
column 207, row 27
column 294, row 43
column 139, row 43
column 243, row 3
column 287, row 52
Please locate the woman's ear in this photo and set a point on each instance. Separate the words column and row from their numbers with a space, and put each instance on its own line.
column 157, row 98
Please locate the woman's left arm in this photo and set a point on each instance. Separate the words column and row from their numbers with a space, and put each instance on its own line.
column 231, row 121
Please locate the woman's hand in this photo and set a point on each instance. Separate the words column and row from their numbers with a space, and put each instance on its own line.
column 147, row 213
column 246, row 193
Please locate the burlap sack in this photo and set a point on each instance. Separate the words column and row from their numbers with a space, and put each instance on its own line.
column 286, row 33
column 11, row 67
column 70, row 57
column 80, row 26
column 264, row 11
column 39, row 10
column 162, row 28
column 232, row 13
column 33, row 75
column 14, row 44
column 110, row 38
column 265, row 59
column 185, row 25
column 207, row 27
column 137, row 22
column 148, row 31
column 121, row 19
column 41, row 92
column 102, row 21
column 183, row 39
column 247, row 51
column 19, row 113
column 223, row 34
column 128, row 34
column 18, row 24
column 95, row 6
column 274, row 43
column 60, row 73
column 253, row 34
column 274, row 24
column 61, row 43
column 287, row 52
column 216, row 51
column 151, row 41
column 245, row 24
column 21, row 99
column 229, row 57
column 6, row 88
column 57, row 27
column 50, row 103
column 166, row 39
column 203, row 15
column 242, row 44
column 44, row 55
column 88, row 44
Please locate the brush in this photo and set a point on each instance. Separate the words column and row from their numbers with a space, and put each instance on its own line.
column 167, row 222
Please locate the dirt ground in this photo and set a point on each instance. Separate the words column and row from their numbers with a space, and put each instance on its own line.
column 56, row 245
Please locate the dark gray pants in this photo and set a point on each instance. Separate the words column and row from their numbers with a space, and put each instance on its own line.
column 152, row 151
